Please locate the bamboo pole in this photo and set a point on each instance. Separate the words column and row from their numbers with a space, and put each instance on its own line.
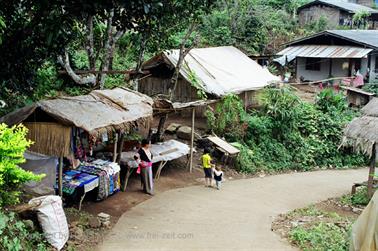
column 192, row 140
column 60, row 177
column 372, row 172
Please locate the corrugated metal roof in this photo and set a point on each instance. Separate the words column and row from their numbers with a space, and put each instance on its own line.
column 347, row 6
column 221, row 70
column 369, row 37
column 321, row 51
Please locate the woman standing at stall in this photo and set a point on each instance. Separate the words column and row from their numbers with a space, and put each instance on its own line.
column 145, row 167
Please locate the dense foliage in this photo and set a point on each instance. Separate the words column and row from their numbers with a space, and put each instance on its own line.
column 287, row 133
column 12, row 147
column 18, row 235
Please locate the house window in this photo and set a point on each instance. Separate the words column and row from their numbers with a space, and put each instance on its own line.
column 313, row 64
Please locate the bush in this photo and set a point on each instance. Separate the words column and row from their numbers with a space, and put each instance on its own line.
column 15, row 235
column 12, row 147
column 228, row 118
column 287, row 133
column 360, row 198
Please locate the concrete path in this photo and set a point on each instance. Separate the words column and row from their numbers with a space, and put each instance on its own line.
column 238, row 217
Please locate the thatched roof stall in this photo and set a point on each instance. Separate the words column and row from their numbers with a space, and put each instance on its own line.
column 50, row 122
column 362, row 135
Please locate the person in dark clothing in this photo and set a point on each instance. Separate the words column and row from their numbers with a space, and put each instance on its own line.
column 145, row 167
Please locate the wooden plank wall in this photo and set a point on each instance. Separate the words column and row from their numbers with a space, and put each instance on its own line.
column 153, row 86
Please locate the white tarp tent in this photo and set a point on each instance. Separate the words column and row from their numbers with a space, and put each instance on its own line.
column 365, row 229
column 222, row 70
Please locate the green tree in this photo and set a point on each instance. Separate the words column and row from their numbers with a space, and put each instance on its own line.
column 12, row 147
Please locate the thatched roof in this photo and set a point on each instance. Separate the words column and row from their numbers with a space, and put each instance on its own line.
column 97, row 112
column 362, row 133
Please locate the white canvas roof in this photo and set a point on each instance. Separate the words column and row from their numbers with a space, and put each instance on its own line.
column 222, row 70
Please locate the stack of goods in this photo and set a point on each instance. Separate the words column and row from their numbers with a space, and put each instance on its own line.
column 74, row 179
column 108, row 174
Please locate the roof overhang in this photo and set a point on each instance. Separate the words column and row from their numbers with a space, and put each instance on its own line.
column 320, row 51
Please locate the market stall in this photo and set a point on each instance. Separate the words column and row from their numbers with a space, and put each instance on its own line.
column 162, row 152
column 74, row 128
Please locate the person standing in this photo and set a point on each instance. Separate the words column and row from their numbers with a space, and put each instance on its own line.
column 218, row 176
column 206, row 164
column 145, row 167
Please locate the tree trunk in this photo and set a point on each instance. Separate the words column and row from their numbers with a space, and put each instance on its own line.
column 138, row 68
column 107, row 48
column 372, row 173
column 160, row 129
column 90, row 44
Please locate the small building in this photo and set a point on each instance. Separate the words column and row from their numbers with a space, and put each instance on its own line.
column 337, row 13
column 333, row 53
column 357, row 97
column 216, row 72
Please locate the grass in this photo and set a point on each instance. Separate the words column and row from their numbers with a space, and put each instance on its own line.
column 321, row 236
column 322, row 230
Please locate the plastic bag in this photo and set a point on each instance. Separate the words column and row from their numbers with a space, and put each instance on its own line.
column 53, row 220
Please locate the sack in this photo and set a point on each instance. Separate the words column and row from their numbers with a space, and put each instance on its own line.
column 52, row 219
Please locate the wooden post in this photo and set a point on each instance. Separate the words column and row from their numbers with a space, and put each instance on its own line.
column 192, row 140
column 245, row 101
column 60, row 177
column 115, row 148
column 372, row 172
column 330, row 68
column 120, row 148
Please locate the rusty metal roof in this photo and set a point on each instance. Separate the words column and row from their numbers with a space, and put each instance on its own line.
column 320, row 51
column 344, row 5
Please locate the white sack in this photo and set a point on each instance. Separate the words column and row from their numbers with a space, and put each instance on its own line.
column 53, row 220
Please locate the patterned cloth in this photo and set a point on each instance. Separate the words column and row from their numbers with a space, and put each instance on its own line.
column 74, row 179
column 108, row 174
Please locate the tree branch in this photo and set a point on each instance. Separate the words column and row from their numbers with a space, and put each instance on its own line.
column 182, row 54
column 65, row 62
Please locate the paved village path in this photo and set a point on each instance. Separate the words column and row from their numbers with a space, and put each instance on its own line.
column 236, row 218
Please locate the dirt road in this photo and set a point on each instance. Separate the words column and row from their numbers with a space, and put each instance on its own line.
column 238, row 217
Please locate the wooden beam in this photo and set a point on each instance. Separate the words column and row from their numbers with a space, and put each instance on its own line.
column 192, row 140
column 60, row 177
column 129, row 72
column 372, row 172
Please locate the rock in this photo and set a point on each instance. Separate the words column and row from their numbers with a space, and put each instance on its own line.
column 172, row 128
column 29, row 224
column 357, row 210
column 184, row 132
column 94, row 222
column 77, row 234
column 106, row 224
column 103, row 216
